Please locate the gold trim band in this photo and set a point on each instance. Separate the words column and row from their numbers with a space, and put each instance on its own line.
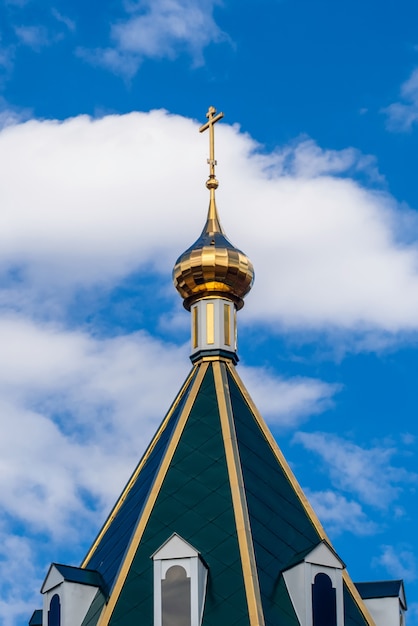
column 195, row 326
column 137, row 470
column 133, row 546
column 252, row 588
column 210, row 323
column 227, row 324
column 292, row 479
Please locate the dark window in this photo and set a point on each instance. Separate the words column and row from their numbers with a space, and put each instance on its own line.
column 324, row 602
column 54, row 613
column 175, row 598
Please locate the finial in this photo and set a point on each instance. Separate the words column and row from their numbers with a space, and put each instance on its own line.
column 213, row 276
column 211, row 183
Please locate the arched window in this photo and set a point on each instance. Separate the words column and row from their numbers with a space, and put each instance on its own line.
column 175, row 597
column 324, row 601
column 54, row 613
column 180, row 577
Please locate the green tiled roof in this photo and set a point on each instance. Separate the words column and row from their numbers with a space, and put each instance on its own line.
column 94, row 611
column 108, row 555
column 279, row 524
column 185, row 487
column 195, row 502
column 352, row 616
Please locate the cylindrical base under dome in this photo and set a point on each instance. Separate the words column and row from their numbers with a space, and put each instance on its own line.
column 214, row 327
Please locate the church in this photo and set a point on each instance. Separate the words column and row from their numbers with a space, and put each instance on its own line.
column 213, row 529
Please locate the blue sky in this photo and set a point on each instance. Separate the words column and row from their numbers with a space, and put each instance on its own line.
column 102, row 187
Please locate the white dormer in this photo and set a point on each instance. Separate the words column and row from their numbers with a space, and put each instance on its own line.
column 68, row 594
column 385, row 600
column 315, row 587
column 180, row 577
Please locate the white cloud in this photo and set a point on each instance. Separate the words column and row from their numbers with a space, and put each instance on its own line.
column 399, row 561
column 368, row 473
column 338, row 514
column 6, row 58
column 17, row 3
column 286, row 403
column 305, row 159
column 63, row 19
column 85, row 202
column 36, row 37
column 18, row 597
column 66, row 398
column 403, row 115
column 7, row 55
column 159, row 29
column 112, row 59
column 11, row 115
column 408, row 439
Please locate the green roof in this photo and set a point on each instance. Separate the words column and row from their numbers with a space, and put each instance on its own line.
column 214, row 475
column 195, row 502
column 113, row 541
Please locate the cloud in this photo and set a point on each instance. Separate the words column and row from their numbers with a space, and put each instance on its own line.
column 159, row 29
column 84, row 202
column 286, row 403
column 338, row 514
column 403, row 115
column 6, row 58
column 368, row 473
column 35, row 37
column 16, row 3
column 7, row 55
column 305, row 159
column 63, row 19
column 17, row 597
column 399, row 561
column 12, row 115
column 65, row 399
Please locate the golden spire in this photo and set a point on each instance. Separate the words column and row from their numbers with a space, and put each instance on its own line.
column 212, row 266
column 213, row 224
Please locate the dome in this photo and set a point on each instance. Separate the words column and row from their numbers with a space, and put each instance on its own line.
column 212, row 266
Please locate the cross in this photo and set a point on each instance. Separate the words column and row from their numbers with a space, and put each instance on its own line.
column 212, row 119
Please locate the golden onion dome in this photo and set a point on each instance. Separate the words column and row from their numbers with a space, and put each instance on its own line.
column 212, row 266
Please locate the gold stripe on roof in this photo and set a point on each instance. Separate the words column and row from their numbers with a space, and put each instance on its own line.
column 358, row 599
column 137, row 470
column 159, row 479
column 279, row 455
column 242, row 521
column 297, row 488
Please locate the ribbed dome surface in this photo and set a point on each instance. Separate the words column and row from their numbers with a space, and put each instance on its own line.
column 213, row 266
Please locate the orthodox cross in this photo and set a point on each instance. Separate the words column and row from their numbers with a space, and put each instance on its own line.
column 212, row 119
